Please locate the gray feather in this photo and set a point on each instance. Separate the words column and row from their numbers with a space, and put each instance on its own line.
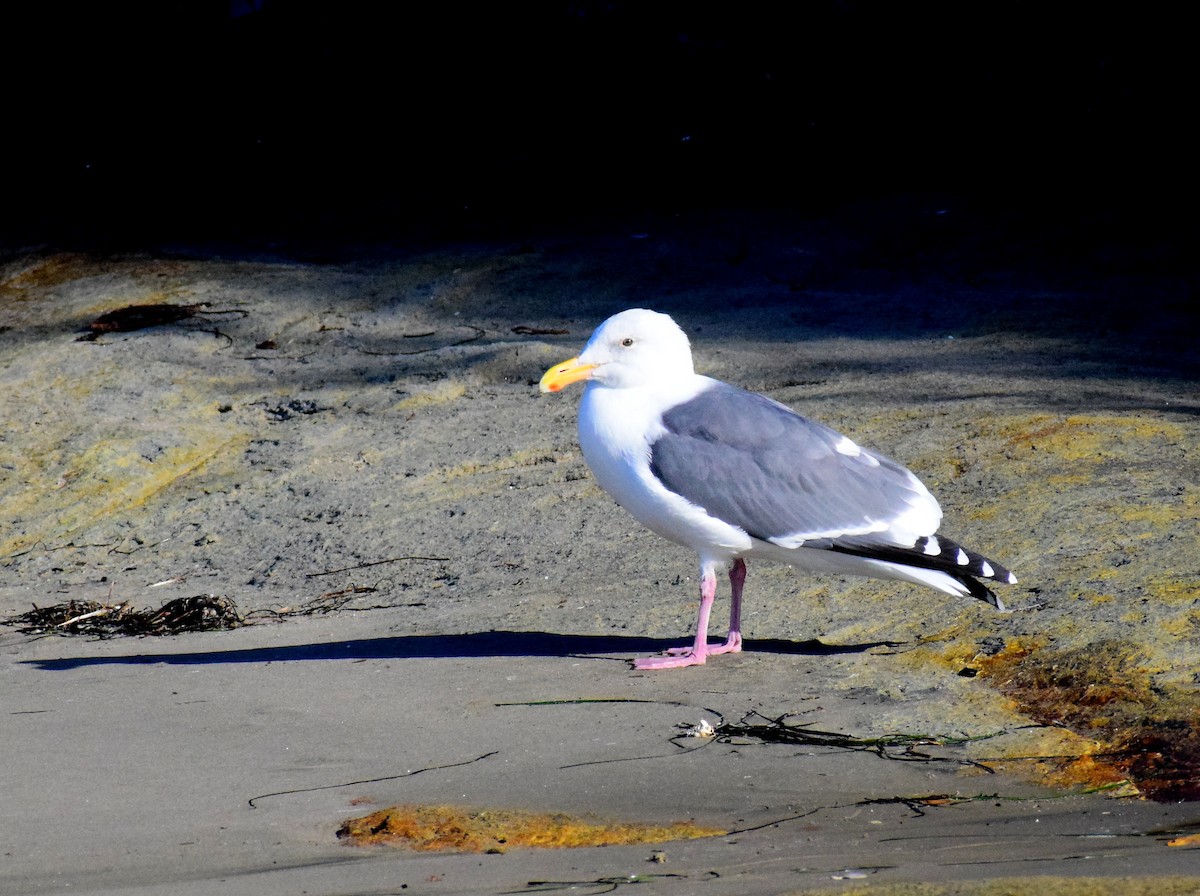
column 754, row 463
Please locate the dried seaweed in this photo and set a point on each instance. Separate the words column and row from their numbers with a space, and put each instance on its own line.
column 142, row 317
column 1147, row 732
column 476, row 333
column 610, row 884
column 900, row 747
column 524, row 330
column 918, row 804
column 200, row 613
column 333, row 602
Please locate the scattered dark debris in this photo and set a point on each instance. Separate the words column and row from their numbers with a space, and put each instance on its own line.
column 332, row 602
column 294, row 408
column 368, row 565
column 267, row 345
column 900, row 747
column 991, row 645
column 141, row 317
column 610, row 884
column 201, row 613
column 524, row 330
column 446, row 341
column 918, row 804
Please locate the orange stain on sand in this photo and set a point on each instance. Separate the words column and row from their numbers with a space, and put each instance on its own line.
column 458, row 829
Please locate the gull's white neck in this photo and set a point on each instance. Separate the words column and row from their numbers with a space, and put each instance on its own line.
column 622, row 423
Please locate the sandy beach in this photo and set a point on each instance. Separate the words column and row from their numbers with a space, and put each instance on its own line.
column 440, row 606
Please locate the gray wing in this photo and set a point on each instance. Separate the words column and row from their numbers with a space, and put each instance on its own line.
column 754, row 463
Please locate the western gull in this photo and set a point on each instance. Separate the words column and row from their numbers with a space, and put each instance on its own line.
column 733, row 474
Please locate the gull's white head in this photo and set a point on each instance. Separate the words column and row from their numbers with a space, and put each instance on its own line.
column 634, row 348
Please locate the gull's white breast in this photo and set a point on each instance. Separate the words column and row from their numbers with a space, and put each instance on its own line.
column 616, row 429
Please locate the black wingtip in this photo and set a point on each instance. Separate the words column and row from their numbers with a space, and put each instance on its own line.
column 981, row 592
column 941, row 554
column 953, row 557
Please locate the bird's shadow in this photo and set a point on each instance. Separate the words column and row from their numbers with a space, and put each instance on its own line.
column 472, row 644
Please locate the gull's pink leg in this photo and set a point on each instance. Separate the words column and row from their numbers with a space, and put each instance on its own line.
column 733, row 644
column 737, row 578
column 696, row 654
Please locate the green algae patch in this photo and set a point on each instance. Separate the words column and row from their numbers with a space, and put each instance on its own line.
column 456, row 829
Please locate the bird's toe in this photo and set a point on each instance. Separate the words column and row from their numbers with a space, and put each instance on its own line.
column 672, row 660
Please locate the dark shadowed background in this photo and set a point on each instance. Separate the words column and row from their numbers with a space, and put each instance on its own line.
column 136, row 122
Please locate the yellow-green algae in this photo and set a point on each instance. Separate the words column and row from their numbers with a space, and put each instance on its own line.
column 85, row 447
column 439, row 393
column 106, row 480
column 1090, row 437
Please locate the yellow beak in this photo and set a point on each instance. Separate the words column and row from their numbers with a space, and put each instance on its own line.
column 561, row 375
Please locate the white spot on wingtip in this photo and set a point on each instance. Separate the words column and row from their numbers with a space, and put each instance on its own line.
column 1012, row 580
column 847, row 447
column 932, row 547
column 962, row 559
column 986, row 570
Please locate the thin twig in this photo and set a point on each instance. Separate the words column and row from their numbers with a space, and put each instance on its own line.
column 101, row 612
column 478, row 334
column 429, row 768
column 330, row 572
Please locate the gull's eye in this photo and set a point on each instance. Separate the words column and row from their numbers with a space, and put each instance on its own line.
column 627, row 341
